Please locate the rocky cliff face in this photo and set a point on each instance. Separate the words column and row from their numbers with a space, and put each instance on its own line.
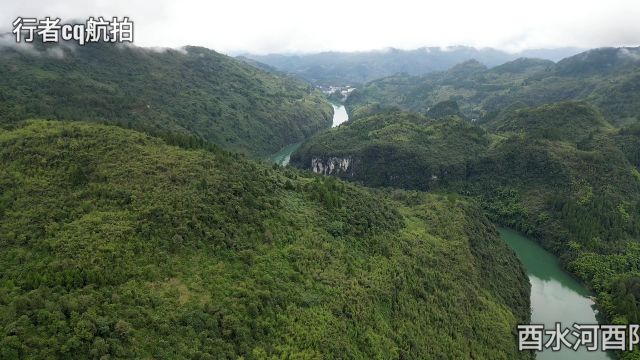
column 331, row 166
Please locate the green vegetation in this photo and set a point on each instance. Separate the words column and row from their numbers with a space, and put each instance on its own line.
column 445, row 108
column 559, row 172
column 607, row 78
column 399, row 149
column 194, row 93
column 568, row 121
column 117, row 245
column 148, row 240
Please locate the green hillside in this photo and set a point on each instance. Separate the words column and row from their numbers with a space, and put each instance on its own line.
column 569, row 121
column 609, row 78
column 398, row 149
column 116, row 245
column 557, row 172
column 193, row 92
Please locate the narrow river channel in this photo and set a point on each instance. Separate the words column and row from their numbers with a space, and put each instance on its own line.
column 555, row 295
column 283, row 156
column 339, row 115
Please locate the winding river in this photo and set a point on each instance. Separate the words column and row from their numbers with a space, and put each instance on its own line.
column 555, row 296
column 283, row 156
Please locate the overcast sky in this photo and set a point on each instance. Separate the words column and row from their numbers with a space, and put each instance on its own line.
column 262, row 26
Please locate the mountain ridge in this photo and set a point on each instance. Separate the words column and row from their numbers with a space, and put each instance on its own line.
column 607, row 78
column 193, row 92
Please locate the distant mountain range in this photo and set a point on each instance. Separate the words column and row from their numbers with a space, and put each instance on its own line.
column 605, row 77
column 352, row 68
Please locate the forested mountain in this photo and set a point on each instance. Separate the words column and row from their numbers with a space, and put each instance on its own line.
column 608, row 78
column 399, row 149
column 558, row 172
column 157, row 238
column 568, row 121
column 116, row 245
column 194, row 93
column 352, row 68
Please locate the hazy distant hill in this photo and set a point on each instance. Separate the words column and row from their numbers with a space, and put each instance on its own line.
column 193, row 92
column 349, row 68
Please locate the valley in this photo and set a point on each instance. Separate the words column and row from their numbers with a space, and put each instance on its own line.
column 560, row 166
column 283, row 156
column 182, row 203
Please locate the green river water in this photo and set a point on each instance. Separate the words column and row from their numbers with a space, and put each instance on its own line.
column 283, row 156
column 555, row 295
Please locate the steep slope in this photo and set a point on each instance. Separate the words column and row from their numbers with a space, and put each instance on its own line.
column 118, row 245
column 192, row 92
column 558, row 172
column 607, row 78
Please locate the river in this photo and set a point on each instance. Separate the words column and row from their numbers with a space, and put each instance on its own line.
column 339, row 115
column 283, row 156
column 555, row 295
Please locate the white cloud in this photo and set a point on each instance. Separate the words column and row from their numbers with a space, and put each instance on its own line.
column 55, row 52
column 625, row 53
column 303, row 26
column 7, row 41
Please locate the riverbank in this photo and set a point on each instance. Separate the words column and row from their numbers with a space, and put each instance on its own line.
column 283, row 155
column 555, row 295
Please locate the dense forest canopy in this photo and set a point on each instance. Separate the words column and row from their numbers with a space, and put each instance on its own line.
column 193, row 92
column 558, row 172
column 117, row 245
column 132, row 226
column 386, row 147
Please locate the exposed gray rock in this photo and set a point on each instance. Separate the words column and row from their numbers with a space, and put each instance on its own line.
column 332, row 165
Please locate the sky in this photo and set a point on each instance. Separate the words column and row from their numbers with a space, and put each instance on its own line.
column 299, row 26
